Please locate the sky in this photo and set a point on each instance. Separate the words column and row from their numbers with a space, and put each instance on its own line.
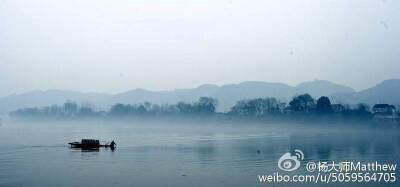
column 115, row 46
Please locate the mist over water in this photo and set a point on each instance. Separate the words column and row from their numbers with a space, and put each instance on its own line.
column 197, row 93
column 179, row 152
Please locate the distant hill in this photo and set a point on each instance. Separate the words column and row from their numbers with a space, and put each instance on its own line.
column 227, row 95
column 319, row 88
column 386, row 92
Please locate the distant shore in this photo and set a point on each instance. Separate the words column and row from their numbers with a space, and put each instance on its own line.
column 302, row 108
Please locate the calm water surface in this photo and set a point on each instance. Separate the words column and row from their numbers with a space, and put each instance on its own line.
column 179, row 153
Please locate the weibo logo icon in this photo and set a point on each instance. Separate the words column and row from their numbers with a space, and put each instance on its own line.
column 289, row 162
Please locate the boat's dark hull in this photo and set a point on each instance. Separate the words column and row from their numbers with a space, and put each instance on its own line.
column 79, row 145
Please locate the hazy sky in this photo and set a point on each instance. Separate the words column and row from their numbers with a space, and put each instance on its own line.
column 114, row 46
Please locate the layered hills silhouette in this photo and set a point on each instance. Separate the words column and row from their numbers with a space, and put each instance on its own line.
column 386, row 92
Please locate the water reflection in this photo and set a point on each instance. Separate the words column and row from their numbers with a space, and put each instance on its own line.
column 207, row 156
column 89, row 150
column 322, row 146
column 205, row 150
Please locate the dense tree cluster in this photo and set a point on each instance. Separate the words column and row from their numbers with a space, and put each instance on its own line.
column 204, row 106
column 257, row 107
column 300, row 105
column 69, row 109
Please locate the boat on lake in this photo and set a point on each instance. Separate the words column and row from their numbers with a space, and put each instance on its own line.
column 91, row 144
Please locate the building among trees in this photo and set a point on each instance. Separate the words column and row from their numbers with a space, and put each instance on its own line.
column 385, row 112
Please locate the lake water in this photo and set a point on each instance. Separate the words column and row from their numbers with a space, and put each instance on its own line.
column 180, row 153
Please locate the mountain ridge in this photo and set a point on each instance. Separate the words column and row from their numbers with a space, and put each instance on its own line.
column 227, row 94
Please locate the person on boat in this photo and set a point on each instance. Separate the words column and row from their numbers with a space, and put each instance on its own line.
column 112, row 144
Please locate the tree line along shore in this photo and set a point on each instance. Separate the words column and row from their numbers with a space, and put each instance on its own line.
column 301, row 106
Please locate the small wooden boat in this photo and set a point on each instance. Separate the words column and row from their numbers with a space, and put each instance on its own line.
column 90, row 144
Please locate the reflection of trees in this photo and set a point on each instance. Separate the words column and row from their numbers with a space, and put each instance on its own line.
column 316, row 145
column 324, row 151
column 270, row 150
column 384, row 150
column 363, row 148
column 205, row 150
column 326, row 145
